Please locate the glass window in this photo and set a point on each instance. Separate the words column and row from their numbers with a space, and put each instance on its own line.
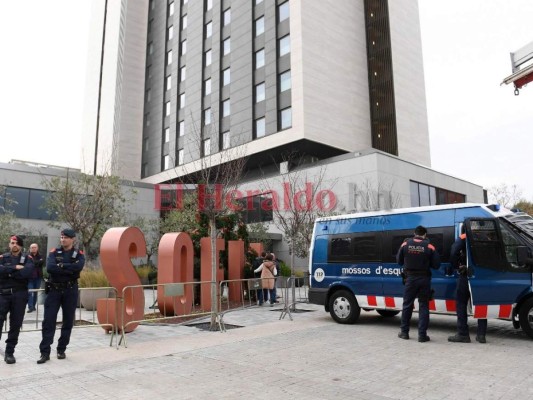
column 209, row 5
column 259, row 26
column 208, row 58
column 184, row 22
column 284, row 45
column 340, row 247
column 152, row 5
column 185, row 2
column 170, row 32
column 260, row 127
column 171, row 9
column 169, row 57
column 169, row 82
column 207, row 147
column 225, row 140
column 415, row 200
column 259, row 58
column 149, row 95
column 147, row 119
column 207, row 116
column 423, row 191
column 227, row 17
column 18, row 201
column 182, row 100
column 167, row 162
column 209, row 29
column 226, row 108
column 183, row 73
column 283, row 11
column 150, row 48
column 37, row 203
column 260, row 92
column 258, row 2
column 226, row 77
column 207, row 87
column 286, row 118
column 167, row 108
column 184, row 47
column 227, row 46
column 285, row 81
column 167, row 135
column 182, row 128
column 180, row 156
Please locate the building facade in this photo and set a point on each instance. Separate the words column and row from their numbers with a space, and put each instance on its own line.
column 341, row 82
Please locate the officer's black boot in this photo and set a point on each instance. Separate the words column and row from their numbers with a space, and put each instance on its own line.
column 44, row 358
column 459, row 338
column 10, row 359
column 481, row 339
column 61, row 355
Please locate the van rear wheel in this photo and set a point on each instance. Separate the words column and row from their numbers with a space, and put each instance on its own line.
column 343, row 307
column 526, row 317
column 388, row 313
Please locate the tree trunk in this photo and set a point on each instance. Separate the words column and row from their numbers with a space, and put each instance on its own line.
column 214, row 270
column 293, row 279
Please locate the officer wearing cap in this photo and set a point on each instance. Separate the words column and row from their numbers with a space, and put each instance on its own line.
column 64, row 265
column 15, row 270
column 417, row 256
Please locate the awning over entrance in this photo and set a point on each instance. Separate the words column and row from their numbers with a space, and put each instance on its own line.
column 522, row 67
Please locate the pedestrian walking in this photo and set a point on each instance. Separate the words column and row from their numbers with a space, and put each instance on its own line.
column 36, row 278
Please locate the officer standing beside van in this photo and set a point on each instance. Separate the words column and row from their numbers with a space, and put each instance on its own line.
column 458, row 262
column 417, row 256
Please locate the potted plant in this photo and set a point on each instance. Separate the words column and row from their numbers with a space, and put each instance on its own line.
column 94, row 285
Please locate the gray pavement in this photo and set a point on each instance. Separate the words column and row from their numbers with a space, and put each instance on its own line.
column 311, row 357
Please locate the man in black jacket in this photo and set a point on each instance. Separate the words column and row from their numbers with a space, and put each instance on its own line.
column 35, row 279
column 15, row 269
column 417, row 256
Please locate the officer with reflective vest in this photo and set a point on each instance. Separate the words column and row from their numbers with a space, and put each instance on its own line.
column 417, row 256
column 15, row 269
column 64, row 265
column 458, row 262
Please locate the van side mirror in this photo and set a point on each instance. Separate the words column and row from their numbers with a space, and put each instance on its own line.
column 522, row 256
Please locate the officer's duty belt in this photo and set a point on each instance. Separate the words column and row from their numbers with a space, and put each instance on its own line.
column 62, row 285
column 12, row 290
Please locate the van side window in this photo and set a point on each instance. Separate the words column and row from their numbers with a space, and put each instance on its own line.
column 485, row 245
column 511, row 242
column 340, row 247
column 355, row 247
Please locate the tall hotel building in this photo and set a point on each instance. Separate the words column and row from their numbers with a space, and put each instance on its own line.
column 171, row 81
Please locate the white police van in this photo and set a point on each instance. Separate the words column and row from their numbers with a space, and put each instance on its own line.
column 353, row 261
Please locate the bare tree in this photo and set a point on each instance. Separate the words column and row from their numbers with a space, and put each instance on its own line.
column 89, row 204
column 8, row 220
column 216, row 178
column 504, row 195
column 305, row 198
column 375, row 195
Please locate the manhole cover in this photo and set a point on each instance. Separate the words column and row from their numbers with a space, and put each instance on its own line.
column 206, row 326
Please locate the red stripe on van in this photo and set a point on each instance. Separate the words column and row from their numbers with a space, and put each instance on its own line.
column 505, row 311
column 389, row 302
column 432, row 305
column 451, row 306
column 372, row 301
column 480, row 312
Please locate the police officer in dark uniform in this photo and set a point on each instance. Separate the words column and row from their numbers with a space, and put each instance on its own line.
column 458, row 263
column 15, row 269
column 417, row 256
column 64, row 265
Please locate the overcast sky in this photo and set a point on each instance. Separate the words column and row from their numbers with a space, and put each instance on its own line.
column 479, row 131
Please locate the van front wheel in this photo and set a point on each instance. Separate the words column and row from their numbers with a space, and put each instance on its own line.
column 343, row 307
column 526, row 317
